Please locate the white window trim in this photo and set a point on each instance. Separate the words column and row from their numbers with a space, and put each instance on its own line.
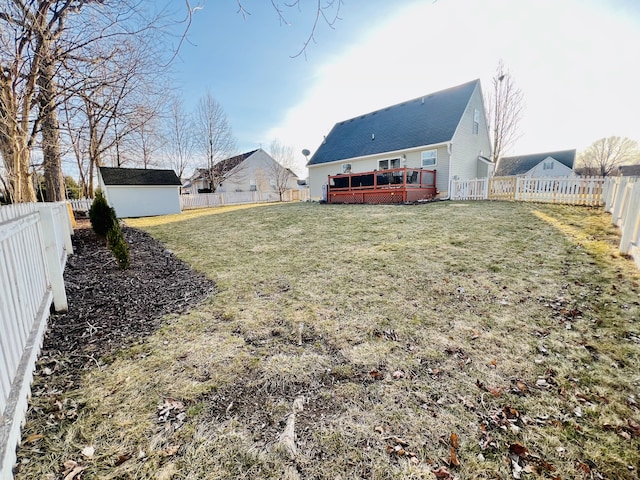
column 435, row 158
column 389, row 160
column 475, row 128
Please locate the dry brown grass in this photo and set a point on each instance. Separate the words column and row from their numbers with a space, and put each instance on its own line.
column 399, row 325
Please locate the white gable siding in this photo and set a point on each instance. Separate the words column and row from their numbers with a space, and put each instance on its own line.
column 257, row 170
column 558, row 169
column 142, row 200
column 467, row 146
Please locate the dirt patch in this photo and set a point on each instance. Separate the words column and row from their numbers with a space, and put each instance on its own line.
column 111, row 308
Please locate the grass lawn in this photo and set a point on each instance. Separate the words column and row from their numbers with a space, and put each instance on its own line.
column 486, row 340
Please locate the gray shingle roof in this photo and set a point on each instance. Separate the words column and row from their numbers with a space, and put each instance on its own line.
column 519, row 164
column 138, row 176
column 629, row 170
column 422, row 121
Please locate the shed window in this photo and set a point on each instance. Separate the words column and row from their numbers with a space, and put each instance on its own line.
column 429, row 158
column 476, row 121
column 547, row 166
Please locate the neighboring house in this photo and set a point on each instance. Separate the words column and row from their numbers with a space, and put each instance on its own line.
column 140, row 192
column 628, row 171
column 251, row 171
column 444, row 131
column 548, row 164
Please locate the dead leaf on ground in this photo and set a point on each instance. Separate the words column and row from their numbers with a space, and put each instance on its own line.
column 88, row 451
column 121, row 459
column 73, row 473
column 443, row 473
column 521, row 386
column 33, row 437
column 376, row 375
column 398, row 374
column 518, row 449
column 170, row 450
column 454, row 440
column 453, row 458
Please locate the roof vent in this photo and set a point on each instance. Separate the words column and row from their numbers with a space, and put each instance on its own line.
column 422, row 100
column 373, row 136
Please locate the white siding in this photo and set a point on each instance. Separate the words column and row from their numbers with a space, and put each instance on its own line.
column 467, row 146
column 558, row 170
column 143, row 201
column 259, row 168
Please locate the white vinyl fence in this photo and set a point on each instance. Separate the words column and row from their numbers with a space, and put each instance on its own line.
column 35, row 239
column 80, row 204
column 203, row 200
column 567, row 190
column 621, row 197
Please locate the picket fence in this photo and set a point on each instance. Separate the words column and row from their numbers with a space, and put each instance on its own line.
column 203, row 200
column 567, row 190
column 35, row 240
column 621, row 197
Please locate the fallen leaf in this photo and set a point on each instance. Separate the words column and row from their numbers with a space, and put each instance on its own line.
column 121, row 459
column 493, row 363
column 378, row 429
column 33, row 437
column 518, row 449
column 170, row 450
column 495, row 391
column 88, row 451
column 398, row 374
column 442, row 472
column 583, row 467
column 453, row 458
column 414, row 460
column 71, row 475
column 376, row 375
column 69, row 465
column 521, row 386
column 454, row 440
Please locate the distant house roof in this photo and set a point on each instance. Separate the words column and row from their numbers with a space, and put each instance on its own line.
column 138, row 176
column 426, row 120
column 629, row 170
column 520, row 164
column 221, row 168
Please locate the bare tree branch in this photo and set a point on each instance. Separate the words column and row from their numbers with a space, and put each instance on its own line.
column 505, row 103
column 603, row 156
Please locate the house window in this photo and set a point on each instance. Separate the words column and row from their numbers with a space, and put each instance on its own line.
column 252, row 185
column 388, row 163
column 476, row 121
column 346, row 168
column 547, row 166
column 429, row 158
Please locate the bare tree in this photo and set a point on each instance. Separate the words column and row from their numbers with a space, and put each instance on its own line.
column 505, row 103
column 179, row 131
column 280, row 170
column 604, row 155
column 214, row 137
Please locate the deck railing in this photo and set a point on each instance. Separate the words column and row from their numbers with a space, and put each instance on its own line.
column 382, row 186
column 35, row 239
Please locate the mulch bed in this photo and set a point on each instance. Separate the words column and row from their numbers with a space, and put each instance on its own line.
column 111, row 308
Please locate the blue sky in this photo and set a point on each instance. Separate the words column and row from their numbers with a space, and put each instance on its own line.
column 576, row 62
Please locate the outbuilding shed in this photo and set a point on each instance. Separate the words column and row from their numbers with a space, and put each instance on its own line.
column 140, row 192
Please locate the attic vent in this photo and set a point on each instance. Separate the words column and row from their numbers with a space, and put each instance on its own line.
column 373, row 136
column 422, row 100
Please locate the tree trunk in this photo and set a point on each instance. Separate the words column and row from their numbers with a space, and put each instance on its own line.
column 52, row 161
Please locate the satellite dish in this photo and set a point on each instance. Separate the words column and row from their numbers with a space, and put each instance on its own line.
column 306, row 152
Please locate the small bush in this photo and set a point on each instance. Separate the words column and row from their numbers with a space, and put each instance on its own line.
column 102, row 216
column 118, row 246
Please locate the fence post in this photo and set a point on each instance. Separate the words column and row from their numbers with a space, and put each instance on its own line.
column 52, row 259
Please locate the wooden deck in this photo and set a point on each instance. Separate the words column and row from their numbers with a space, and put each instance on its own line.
column 397, row 185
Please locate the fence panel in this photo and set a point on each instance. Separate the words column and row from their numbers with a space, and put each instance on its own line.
column 476, row 189
column 34, row 242
column 204, row 200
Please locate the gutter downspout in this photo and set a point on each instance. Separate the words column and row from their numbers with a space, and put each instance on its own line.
column 449, row 188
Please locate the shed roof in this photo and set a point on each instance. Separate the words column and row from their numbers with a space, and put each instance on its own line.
column 519, row 164
column 629, row 170
column 425, row 120
column 138, row 176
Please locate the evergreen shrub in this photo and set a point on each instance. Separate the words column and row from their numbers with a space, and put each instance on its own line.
column 102, row 216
